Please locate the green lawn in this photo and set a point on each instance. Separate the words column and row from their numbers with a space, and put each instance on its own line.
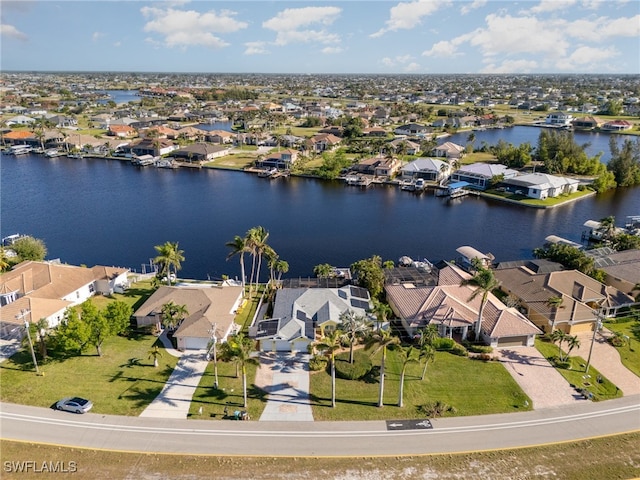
column 526, row 201
column 473, row 387
column 121, row 382
column 135, row 296
column 237, row 161
column 630, row 353
column 229, row 392
column 575, row 374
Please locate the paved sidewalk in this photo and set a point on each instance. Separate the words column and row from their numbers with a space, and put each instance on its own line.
column 175, row 398
column 539, row 380
column 606, row 359
column 285, row 376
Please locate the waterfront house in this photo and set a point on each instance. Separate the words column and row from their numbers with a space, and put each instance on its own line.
column 479, row 175
column 541, row 185
column 17, row 137
column 469, row 256
column 581, row 296
column 559, row 119
column 298, row 313
column 617, row 126
column 46, row 289
column 586, row 123
column 211, row 310
column 430, row 169
column 282, row 160
column 153, row 146
column 449, row 150
column 622, row 269
column 200, row 152
column 378, row 166
column 448, row 306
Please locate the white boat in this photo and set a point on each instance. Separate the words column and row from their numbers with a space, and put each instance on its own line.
column 420, row 184
column 20, row 149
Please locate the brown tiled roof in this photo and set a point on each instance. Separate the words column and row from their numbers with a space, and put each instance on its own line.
column 18, row 135
column 205, row 306
column 48, row 280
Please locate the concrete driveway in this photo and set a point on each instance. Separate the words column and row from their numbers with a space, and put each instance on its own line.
column 285, row 376
column 539, row 380
column 175, row 398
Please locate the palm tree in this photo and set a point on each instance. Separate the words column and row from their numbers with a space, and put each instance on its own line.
column 328, row 345
column 352, row 327
column 407, row 357
column 573, row 342
column 4, row 260
column 382, row 311
column 559, row 336
column 483, row 282
column 428, row 354
column 169, row 257
column 607, row 227
column 554, row 303
column 258, row 239
column 428, row 334
column 241, row 348
column 381, row 341
column 155, row 353
column 239, row 247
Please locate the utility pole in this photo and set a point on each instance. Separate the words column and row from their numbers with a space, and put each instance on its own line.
column 23, row 314
column 596, row 327
column 214, row 339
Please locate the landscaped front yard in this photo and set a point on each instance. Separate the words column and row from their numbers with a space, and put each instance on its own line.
column 473, row 387
column 121, row 382
column 594, row 383
column 630, row 350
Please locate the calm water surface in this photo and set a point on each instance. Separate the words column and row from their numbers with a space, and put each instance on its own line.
column 109, row 212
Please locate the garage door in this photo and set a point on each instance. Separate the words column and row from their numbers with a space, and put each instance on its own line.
column 580, row 328
column 512, row 341
column 194, row 343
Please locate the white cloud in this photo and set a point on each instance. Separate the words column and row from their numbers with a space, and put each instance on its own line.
column 9, row 31
column 290, row 24
column 332, row 50
column 550, row 6
column 255, row 48
column 511, row 66
column 408, row 15
column 468, row 7
column 96, row 36
column 412, row 67
column 183, row 28
column 443, row 48
column 117, row 44
column 516, row 35
column 585, row 55
column 403, row 61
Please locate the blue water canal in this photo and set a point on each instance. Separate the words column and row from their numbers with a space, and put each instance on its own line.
column 109, row 212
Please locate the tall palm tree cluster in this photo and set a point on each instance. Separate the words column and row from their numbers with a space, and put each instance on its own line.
column 169, row 260
column 254, row 243
column 354, row 328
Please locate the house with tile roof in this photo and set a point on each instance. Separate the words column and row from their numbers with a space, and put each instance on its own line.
column 448, row 306
column 200, row 152
column 449, row 150
column 582, row 296
column 298, row 313
column 622, row 269
column 47, row 289
column 211, row 311
column 322, row 142
column 282, row 160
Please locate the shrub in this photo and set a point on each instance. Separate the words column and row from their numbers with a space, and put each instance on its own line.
column 317, row 362
column 480, row 348
column 459, row 350
column 443, row 343
column 359, row 368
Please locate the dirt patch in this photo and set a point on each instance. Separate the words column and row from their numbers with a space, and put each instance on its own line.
column 610, row 457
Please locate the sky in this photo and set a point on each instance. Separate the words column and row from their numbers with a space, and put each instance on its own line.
column 310, row 37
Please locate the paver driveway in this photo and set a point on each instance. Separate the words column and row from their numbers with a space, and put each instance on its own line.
column 539, row 380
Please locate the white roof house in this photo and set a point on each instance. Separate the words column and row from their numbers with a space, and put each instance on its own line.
column 543, row 185
column 427, row 168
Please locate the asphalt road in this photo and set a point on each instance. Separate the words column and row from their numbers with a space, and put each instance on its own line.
column 458, row 434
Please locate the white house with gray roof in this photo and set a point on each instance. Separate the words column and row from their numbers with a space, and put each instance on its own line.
column 298, row 312
column 426, row 168
column 541, row 185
